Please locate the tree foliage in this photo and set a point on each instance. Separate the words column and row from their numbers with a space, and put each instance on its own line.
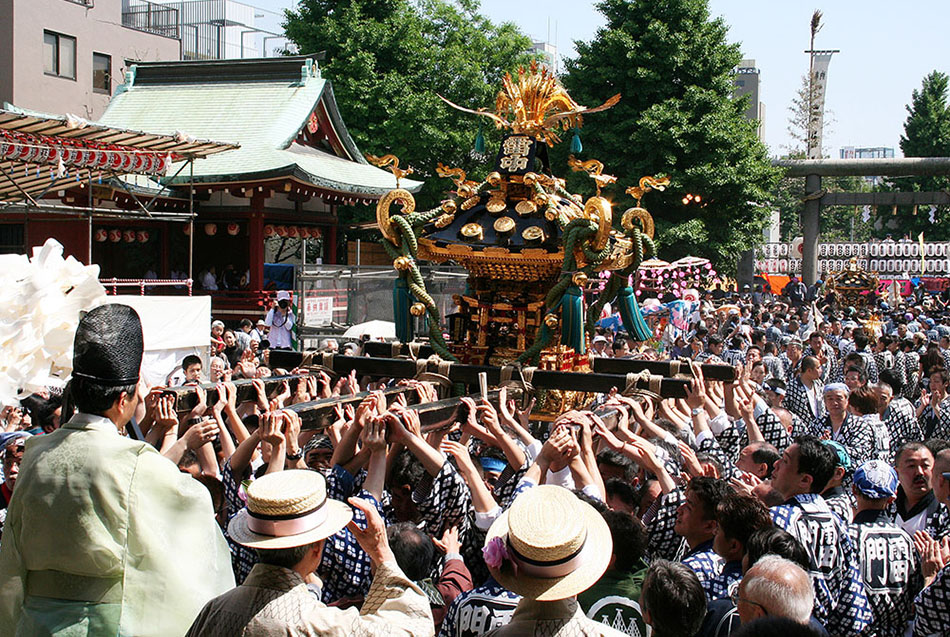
column 389, row 60
column 677, row 117
column 926, row 134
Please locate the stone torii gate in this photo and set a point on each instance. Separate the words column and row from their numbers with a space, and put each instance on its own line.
column 815, row 196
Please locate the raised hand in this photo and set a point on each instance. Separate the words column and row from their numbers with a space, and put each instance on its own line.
column 450, row 541
column 200, row 433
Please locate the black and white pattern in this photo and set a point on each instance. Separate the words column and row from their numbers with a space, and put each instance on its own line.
column 796, row 400
column 479, row 610
column 660, row 520
column 733, row 357
column 773, row 367
column 880, row 434
column 890, row 568
column 856, row 438
column 707, row 565
column 841, row 602
column 773, row 431
column 900, row 418
column 933, row 607
column 935, row 423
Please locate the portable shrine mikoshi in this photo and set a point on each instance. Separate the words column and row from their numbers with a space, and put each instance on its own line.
column 529, row 245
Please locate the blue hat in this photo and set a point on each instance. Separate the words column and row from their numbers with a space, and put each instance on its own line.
column 844, row 458
column 876, row 479
column 492, row 464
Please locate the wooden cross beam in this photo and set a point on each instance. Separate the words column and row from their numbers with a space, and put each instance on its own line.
column 468, row 374
column 601, row 365
column 186, row 398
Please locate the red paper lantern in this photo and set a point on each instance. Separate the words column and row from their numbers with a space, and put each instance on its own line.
column 115, row 235
column 269, row 230
column 233, row 229
column 128, row 236
column 315, row 233
column 304, row 232
column 281, row 231
column 101, row 235
column 211, row 229
column 292, row 232
column 142, row 236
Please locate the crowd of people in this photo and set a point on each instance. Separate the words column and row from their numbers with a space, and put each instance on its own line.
column 808, row 496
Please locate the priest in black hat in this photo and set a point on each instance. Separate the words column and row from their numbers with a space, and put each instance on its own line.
column 104, row 535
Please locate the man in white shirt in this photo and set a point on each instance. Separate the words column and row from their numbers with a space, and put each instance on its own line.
column 280, row 319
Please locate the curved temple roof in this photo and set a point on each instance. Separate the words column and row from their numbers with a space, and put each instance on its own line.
column 280, row 110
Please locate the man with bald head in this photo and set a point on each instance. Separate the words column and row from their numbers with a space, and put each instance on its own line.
column 775, row 587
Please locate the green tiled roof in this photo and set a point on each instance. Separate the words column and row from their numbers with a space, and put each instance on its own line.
column 260, row 104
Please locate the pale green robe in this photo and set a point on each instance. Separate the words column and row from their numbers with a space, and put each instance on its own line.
column 104, row 536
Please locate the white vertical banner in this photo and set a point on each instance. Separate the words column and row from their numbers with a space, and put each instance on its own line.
column 816, row 118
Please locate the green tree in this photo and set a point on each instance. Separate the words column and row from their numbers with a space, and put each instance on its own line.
column 926, row 134
column 677, row 117
column 390, row 59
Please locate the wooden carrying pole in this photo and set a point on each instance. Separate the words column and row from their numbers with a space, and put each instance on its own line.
column 601, row 365
column 468, row 374
column 319, row 414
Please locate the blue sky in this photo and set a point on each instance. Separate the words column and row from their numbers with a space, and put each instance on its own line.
column 886, row 50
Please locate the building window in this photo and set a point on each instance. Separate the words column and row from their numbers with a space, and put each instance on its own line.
column 59, row 55
column 102, row 73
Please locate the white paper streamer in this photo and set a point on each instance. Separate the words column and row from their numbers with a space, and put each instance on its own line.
column 41, row 299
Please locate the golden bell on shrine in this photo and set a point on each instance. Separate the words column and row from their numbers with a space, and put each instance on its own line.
column 417, row 309
column 402, row 263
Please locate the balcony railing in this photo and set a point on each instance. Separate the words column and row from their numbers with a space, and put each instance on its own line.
column 151, row 17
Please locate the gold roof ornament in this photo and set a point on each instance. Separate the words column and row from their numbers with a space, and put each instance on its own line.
column 393, row 163
column 536, row 104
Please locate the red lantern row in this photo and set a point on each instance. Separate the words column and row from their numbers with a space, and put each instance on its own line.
column 292, row 232
column 115, row 235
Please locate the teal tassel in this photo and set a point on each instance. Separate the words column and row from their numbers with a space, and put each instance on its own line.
column 480, row 141
column 576, row 146
column 633, row 321
column 402, row 300
column 572, row 320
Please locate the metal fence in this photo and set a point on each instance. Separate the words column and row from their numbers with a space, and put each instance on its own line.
column 348, row 295
column 150, row 17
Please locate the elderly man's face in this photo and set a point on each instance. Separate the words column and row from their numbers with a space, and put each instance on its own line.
column 915, row 472
column 836, row 402
column 217, row 369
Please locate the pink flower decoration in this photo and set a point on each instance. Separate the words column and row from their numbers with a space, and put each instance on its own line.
column 495, row 553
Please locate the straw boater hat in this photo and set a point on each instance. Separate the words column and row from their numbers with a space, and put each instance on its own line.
column 557, row 545
column 288, row 509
